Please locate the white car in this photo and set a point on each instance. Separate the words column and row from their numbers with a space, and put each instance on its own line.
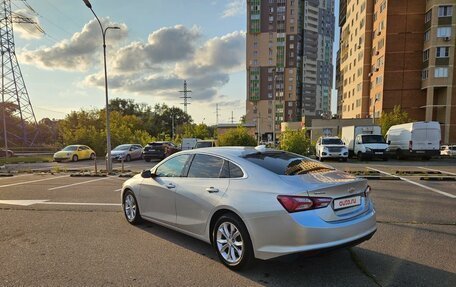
column 331, row 147
column 448, row 150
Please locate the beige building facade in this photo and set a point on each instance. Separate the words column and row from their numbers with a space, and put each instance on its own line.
column 439, row 60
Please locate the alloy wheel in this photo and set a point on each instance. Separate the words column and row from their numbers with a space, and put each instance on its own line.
column 230, row 243
column 130, row 207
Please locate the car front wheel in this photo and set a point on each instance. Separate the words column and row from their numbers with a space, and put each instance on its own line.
column 130, row 208
column 232, row 242
column 75, row 158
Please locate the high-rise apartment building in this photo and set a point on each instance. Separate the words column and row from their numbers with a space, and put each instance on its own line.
column 439, row 62
column 289, row 61
column 397, row 53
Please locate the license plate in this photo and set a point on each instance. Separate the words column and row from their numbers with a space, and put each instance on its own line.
column 347, row 202
column 378, row 153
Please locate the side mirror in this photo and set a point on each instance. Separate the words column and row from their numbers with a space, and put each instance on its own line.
column 389, row 142
column 147, row 173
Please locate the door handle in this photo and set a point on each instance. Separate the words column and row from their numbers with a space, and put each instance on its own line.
column 212, row 189
column 170, row 185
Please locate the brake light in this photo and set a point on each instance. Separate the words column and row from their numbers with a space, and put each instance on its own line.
column 410, row 145
column 294, row 203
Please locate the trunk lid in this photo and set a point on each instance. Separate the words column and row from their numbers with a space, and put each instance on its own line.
column 345, row 190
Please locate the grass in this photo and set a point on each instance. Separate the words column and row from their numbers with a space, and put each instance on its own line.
column 25, row 159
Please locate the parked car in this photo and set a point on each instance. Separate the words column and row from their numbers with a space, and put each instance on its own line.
column 252, row 202
column 331, row 147
column 159, row 150
column 188, row 143
column 205, row 143
column 448, row 150
column 7, row 153
column 74, row 153
column 365, row 142
column 127, row 152
column 417, row 139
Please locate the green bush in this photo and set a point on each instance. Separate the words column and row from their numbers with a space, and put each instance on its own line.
column 296, row 142
column 237, row 137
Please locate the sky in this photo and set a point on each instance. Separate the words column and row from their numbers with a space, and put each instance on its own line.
column 160, row 44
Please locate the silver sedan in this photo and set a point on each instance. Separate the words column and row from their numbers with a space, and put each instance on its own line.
column 252, row 202
column 127, row 152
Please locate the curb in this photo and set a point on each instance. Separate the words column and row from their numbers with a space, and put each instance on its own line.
column 6, row 174
column 87, row 175
column 371, row 177
column 438, row 178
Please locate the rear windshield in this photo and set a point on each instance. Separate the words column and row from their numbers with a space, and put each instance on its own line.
column 284, row 163
column 331, row 141
column 373, row 139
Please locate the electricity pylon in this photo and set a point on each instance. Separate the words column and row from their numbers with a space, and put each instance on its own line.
column 15, row 98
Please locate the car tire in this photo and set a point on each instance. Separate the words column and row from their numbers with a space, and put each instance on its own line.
column 344, row 159
column 399, row 154
column 234, row 249
column 74, row 158
column 128, row 157
column 359, row 155
column 385, row 158
column 147, row 159
column 130, row 208
column 92, row 156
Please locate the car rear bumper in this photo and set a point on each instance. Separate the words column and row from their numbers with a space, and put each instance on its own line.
column 304, row 232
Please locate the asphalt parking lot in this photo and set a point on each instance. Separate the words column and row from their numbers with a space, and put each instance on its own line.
column 59, row 230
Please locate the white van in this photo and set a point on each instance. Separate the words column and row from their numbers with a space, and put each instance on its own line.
column 417, row 139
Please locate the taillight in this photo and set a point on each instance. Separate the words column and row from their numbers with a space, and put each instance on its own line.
column 293, row 203
column 410, row 145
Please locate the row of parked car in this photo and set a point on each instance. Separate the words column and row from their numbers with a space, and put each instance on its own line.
column 417, row 139
column 157, row 150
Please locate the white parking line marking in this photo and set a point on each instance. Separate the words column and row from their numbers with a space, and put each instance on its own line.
column 118, row 190
column 78, row 183
column 81, row 203
column 16, row 176
column 442, row 171
column 32, row 181
column 415, row 183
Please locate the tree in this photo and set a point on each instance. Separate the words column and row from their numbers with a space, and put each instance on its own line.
column 295, row 141
column 395, row 117
column 237, row 137
column 199, row 131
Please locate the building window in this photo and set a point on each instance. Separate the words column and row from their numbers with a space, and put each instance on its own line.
column 383, row 6
column 442, row 52
column 443, row 32
column 378, row 80
column 426, row 55
column 428, row 16
column 445, row 11
column 427, row 35
column 441, row 73
column 424, row 74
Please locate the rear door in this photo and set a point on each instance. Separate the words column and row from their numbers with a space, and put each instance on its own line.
column 206, row 182
column 419, row 139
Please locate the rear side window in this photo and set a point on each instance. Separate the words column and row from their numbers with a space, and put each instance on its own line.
column 284, row 163
column 205, row 166
column 231, row 170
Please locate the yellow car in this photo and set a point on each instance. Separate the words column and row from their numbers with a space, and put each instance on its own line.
column 74, row 153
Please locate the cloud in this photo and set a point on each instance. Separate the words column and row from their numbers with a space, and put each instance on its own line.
column 140, row 70
column 168, row 44
column 78, row 53
column 24, row 30
column 234, row 8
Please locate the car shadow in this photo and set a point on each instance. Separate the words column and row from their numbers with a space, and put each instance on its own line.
column 356, row 266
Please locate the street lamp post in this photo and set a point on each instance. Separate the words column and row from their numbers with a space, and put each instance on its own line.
column 108, row 128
